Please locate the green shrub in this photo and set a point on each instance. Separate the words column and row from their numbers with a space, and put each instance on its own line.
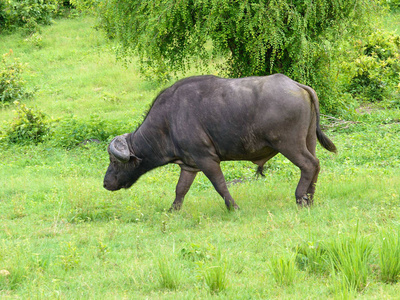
column 375, row 73
column 70, row 258
column 3, row 15
column 28, row 13
column 70, row 131
column 12, row 85
column 29, row 126
column 199, row 252
column 34, row 40
column 84, row 5
column 393, row 4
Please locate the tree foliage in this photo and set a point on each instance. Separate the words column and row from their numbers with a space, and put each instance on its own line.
column 245, row 37
column 258, row 37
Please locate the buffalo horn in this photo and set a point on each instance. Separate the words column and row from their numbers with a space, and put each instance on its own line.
column 119, row 148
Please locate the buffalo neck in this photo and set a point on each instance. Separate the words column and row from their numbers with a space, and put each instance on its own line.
column 150, row 142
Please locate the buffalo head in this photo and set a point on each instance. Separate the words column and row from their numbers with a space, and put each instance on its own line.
column 124, row 168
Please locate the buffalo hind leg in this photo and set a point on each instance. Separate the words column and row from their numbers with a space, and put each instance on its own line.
column 311, row 146
column 309, row 167
column 311, row 188
column 185, row 181
column 306, row 186
column 213, row 171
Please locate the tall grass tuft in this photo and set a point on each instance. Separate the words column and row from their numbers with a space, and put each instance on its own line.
column 313, row 257
column 170, row 276
column 342, row 289
column 349, row 257
column 283, row 270
column 215, row 278
column 389, row 258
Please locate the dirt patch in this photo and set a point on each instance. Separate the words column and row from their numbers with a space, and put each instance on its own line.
column 336, row 122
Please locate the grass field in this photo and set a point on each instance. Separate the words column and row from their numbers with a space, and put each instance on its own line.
column 65, row 237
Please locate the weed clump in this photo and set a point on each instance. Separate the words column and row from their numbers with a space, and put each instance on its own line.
column 215, row 278
column 283, row 270
column 345, row 258
column 350, row 257
column 170, row 276
column 12, row 85
column 312, row 257
column 69, row 131
column 29, row 126
column 389, row 258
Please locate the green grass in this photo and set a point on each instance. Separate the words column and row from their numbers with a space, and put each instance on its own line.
column 169, row 275
column 350, row 258
column 63, row 236
column 216, row 278
column 389, row 257
column 283, row 270
column 75, row 72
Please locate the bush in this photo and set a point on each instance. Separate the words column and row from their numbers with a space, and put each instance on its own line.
column 33, row 126
column 12, row 86
column 393, row 4
column 84, row 5
column 28, row 13
column 375, row 73
column 70, row 131
column 3, row 15
column 29, row 126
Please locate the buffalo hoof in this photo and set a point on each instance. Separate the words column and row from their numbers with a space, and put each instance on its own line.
column 260, row 171
column 175, row 207
column 304, row 201
column 233, row 207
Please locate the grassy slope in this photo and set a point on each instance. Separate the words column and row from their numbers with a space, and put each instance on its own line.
column 76, row 72
column 63, row 236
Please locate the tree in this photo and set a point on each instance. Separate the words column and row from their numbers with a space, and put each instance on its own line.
column 243, row 37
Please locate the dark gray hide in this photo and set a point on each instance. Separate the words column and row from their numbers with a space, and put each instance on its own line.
column 200, row 121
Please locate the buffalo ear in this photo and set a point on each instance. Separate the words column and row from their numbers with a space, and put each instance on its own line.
column 119, row 148
column 136, row 160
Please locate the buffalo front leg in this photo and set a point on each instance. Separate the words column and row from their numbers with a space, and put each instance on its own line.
column 185, row 181
column 214, row 173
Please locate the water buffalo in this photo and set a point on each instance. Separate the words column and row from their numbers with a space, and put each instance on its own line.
column 200, row 121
